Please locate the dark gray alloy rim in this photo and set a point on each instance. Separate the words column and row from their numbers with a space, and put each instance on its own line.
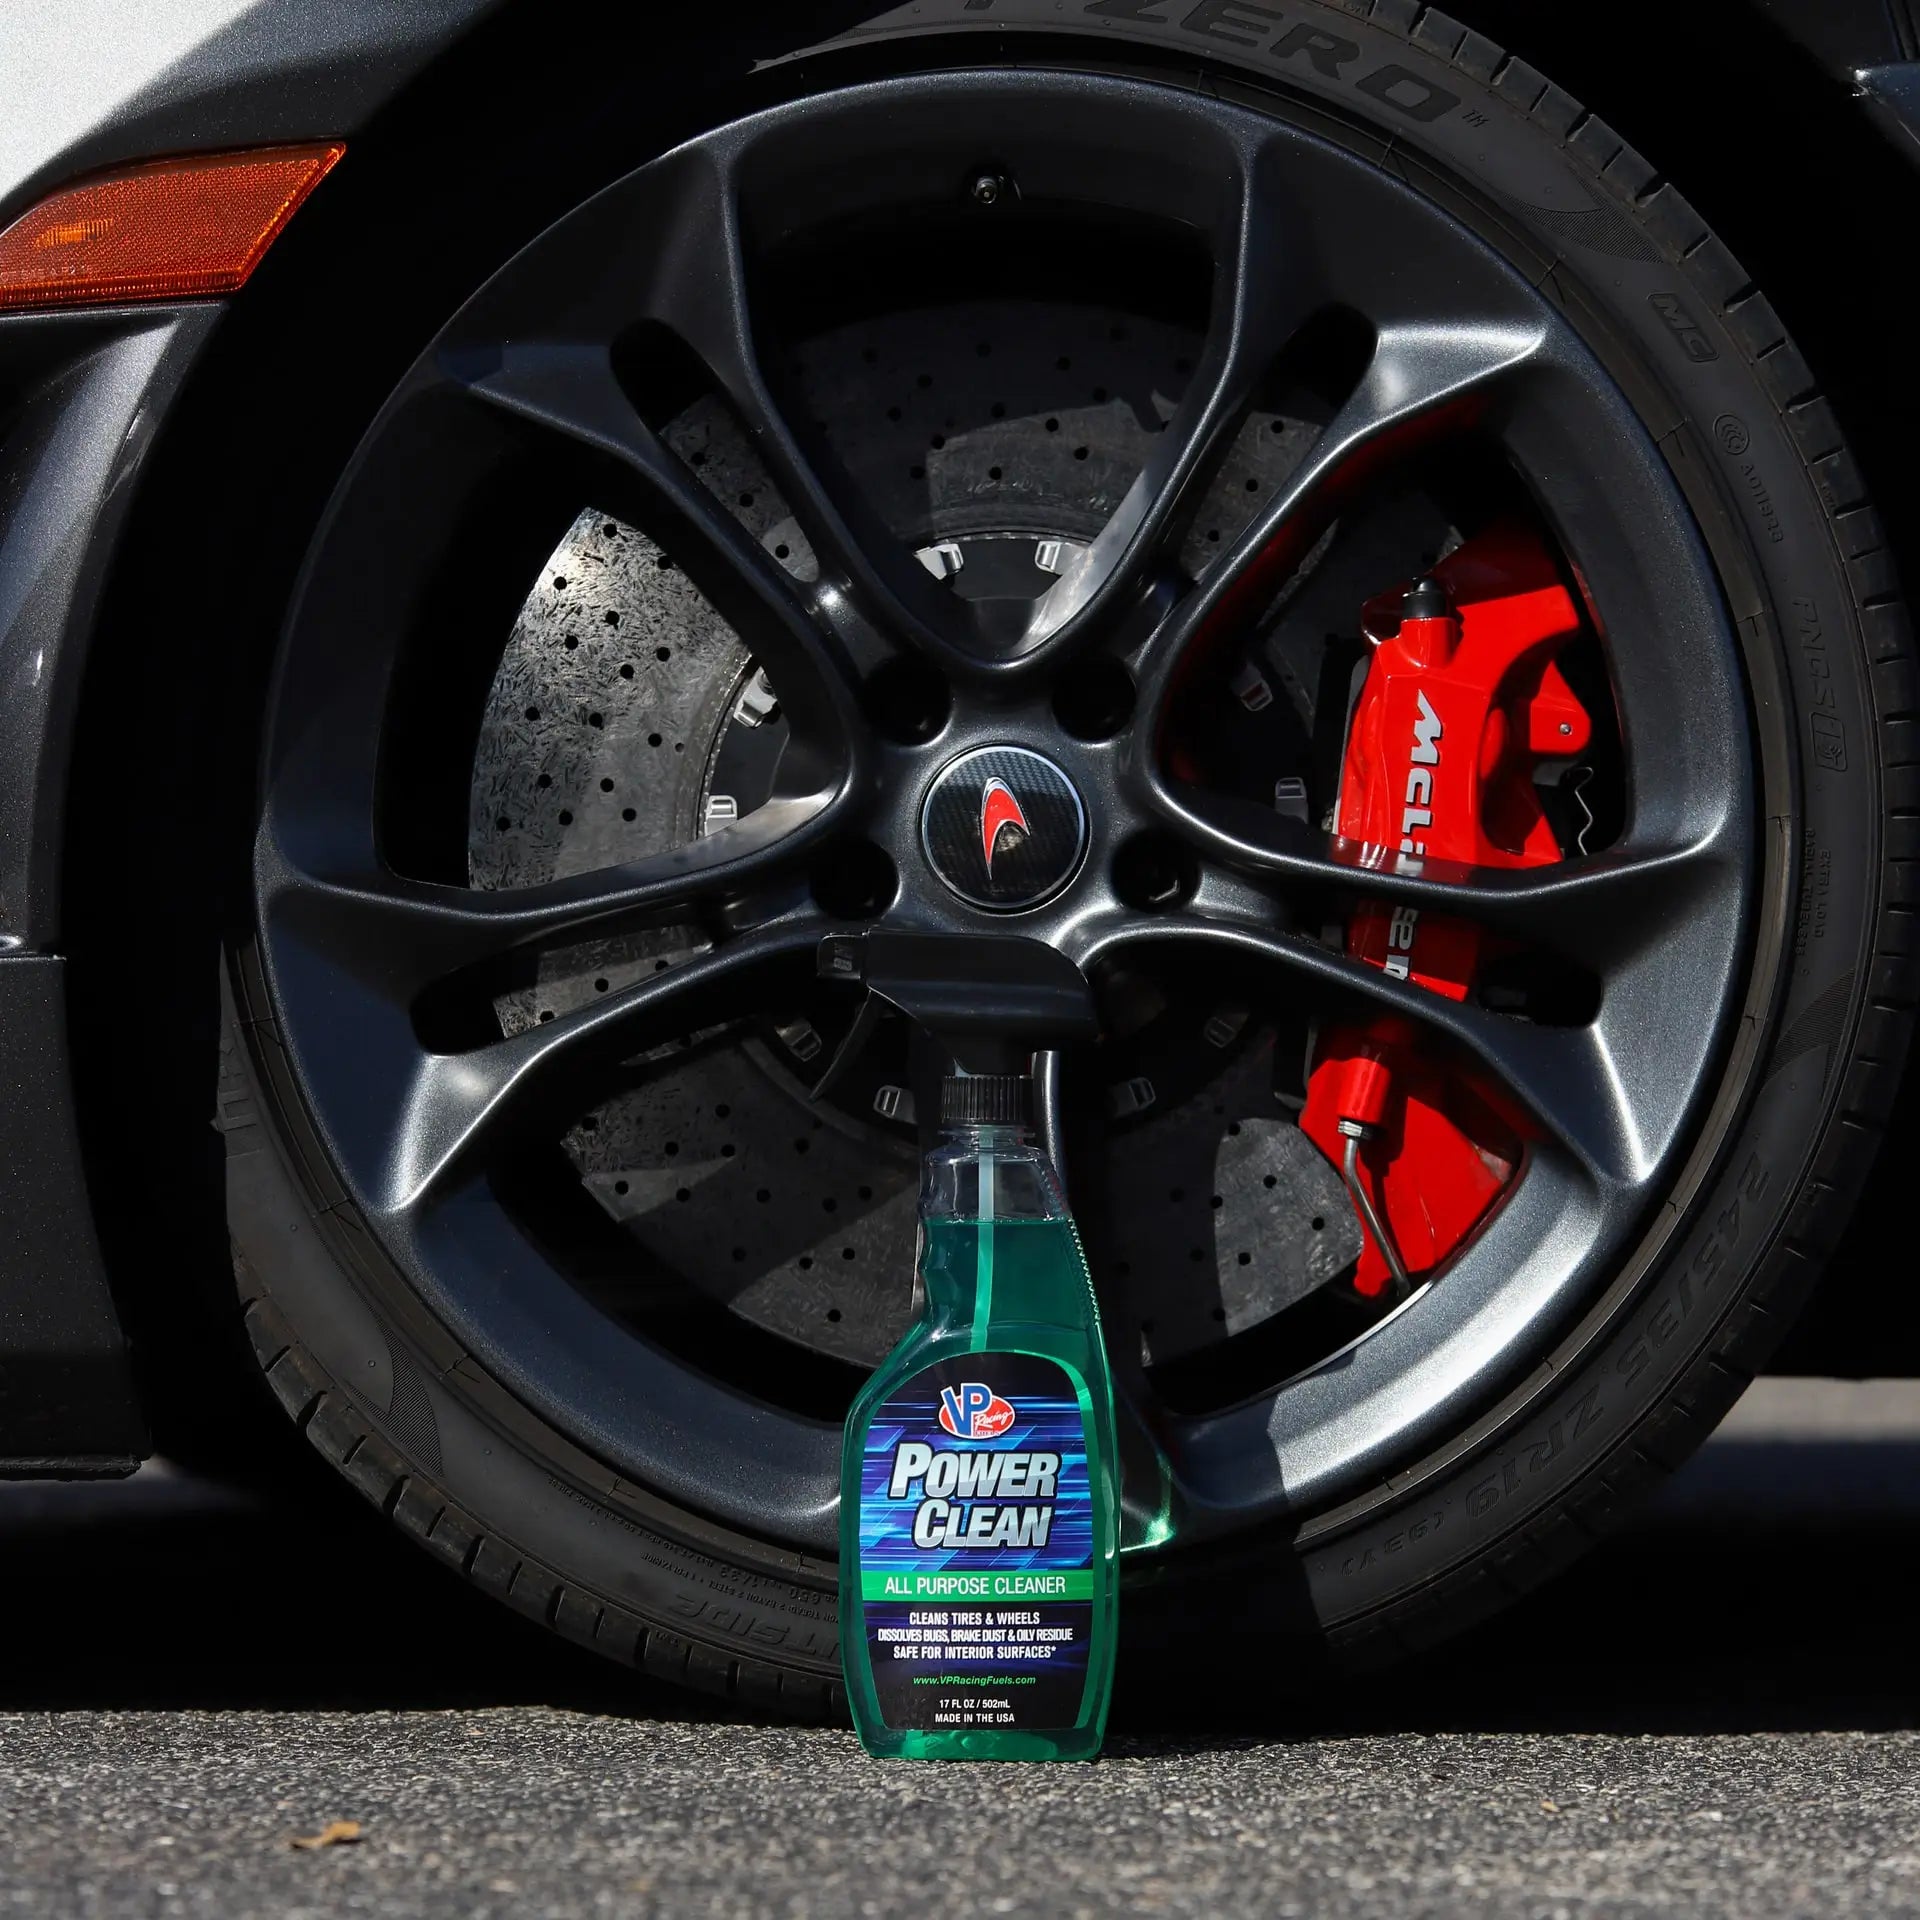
column 359, row 939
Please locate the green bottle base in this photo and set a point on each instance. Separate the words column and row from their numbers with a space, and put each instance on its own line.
column 1082, row 1743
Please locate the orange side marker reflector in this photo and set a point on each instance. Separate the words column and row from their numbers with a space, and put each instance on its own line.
column 187, row 229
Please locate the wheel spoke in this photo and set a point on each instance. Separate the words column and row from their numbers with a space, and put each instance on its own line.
column 1423, row 378
column 569, row 391
column 399, row 936
column 667, row 247
column 1600, row 909
column 408, row 1124
column 705, row 298
column 1567, row 1078
column 456, row 1100
column 1266, row 286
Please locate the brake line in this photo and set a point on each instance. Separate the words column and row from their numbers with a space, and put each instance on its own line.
column 1353, row 1132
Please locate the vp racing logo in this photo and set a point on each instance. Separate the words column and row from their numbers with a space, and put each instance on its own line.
column 1003, row 820
column 971, row 1411
column 973, row 1497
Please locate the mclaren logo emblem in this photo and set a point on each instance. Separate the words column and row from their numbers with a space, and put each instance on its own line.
column 1004, row 827
column 1003, row 823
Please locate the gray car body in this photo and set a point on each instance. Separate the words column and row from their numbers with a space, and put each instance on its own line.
column 87, row 84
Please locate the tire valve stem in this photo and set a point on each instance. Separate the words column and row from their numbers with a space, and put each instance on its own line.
column 1353, row 1133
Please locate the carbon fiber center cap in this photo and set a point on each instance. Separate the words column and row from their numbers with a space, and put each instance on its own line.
column 1003, row 827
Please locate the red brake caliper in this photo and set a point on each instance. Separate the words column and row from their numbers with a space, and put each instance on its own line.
column 1461, row 702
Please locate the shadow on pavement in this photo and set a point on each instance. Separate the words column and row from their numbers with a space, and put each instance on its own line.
column 1770, row 1591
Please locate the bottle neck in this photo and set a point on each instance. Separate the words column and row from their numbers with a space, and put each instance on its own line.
column 995, row 1138
column 989, row 1172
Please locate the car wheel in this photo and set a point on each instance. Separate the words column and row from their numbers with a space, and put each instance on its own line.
column 1078, row 405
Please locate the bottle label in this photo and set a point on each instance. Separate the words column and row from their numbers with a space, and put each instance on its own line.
column 976, row 1546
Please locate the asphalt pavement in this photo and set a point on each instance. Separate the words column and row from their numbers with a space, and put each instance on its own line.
column 1717, row 1713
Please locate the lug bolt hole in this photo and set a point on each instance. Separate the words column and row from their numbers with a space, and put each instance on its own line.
column 854, row 880
column 1094, row 700
column 1154, row 874
column 907, row 701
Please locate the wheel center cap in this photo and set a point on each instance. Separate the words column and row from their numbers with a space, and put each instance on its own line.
column 1004, row 827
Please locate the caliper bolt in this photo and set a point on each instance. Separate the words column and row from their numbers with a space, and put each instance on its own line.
column 988, row 188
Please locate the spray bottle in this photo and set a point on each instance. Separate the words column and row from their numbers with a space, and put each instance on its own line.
column 979, row 1542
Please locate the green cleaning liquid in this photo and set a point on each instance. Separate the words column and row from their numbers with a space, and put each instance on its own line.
column 979, row 1532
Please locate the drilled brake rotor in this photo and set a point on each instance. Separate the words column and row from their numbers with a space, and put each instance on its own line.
column 624, row 716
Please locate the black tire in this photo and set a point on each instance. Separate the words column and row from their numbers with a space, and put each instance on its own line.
column 458, row 1462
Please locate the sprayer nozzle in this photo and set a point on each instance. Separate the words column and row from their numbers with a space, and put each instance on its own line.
column 989, row 1000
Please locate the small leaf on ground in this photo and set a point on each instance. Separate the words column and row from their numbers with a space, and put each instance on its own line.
column 336, row 1833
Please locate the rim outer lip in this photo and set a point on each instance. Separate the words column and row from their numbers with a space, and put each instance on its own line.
column 992, row 757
